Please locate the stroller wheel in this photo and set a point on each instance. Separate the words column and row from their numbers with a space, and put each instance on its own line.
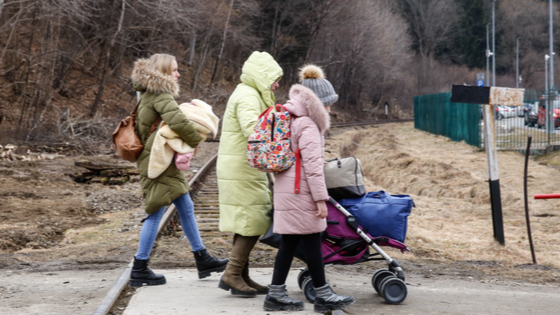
column 393, row 290
column 308, row 289
column 303, row 274
column 379, row 276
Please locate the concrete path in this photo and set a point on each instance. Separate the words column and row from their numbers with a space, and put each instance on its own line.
column 184, row 293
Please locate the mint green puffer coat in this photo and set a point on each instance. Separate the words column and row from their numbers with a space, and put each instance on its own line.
column 158, row 93
column 245, row 199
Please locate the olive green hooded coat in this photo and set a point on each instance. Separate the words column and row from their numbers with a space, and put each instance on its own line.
column 245, row 200
column 158, row 91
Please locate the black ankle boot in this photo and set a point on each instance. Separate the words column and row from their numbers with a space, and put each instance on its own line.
column 277, row 299
column 141, row 275
column 207, row 264
column 326, row 299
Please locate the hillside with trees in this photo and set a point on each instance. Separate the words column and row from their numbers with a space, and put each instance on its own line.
column 65, row 64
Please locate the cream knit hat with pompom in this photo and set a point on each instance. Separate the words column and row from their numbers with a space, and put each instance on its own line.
column 312, row 76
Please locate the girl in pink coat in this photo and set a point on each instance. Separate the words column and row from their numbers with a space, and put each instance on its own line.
column 301, row 217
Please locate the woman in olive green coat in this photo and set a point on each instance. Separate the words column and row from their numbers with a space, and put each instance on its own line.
column 245, row 200
column 157, row 80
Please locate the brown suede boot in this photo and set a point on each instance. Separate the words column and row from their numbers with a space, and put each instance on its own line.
column 261, row 289
column 232, row 279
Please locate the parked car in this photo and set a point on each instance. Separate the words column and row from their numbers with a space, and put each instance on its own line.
column 541, row 114
column 497, row 114
column 520, row 110
column 530, row 115
column 525, row 108
column 505, row 112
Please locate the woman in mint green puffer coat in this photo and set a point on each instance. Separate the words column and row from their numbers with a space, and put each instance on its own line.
column 245, row 199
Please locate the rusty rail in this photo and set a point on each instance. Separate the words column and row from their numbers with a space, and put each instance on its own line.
column 369, row 122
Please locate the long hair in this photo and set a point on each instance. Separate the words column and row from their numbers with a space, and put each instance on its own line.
column 162, row 63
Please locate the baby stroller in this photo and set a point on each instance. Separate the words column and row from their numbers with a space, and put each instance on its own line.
column 348, row 244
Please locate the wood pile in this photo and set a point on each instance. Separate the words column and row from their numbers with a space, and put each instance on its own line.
column 106, row 174
column 11, row 152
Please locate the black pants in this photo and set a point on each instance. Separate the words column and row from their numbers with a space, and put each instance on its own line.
column 313, row 258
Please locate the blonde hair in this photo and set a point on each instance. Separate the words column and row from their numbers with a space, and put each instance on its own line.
column 162, row 63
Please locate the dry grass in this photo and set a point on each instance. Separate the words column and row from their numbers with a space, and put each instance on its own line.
column 449, row 184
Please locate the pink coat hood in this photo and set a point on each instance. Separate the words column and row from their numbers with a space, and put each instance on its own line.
column 295, row 213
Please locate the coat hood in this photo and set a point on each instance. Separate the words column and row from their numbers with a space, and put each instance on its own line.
column 259, row 72
column 146, row 79
column 303, row 102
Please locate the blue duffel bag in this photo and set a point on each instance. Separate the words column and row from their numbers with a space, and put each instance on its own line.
column 382, row 214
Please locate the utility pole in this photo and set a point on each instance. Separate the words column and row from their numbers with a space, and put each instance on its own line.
column 488, row 54
column 551, row 44
column 493, row 42
column 546, row 57
column 549, row 120
column 517, row 65
column 548, row 96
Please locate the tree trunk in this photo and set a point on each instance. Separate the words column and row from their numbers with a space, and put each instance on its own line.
column 192, row 47
column 223, row 43
column 106, row 63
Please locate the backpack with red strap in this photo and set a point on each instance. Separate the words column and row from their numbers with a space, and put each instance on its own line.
column 268, row 147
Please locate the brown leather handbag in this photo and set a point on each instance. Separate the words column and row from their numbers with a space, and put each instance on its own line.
column 125, row 140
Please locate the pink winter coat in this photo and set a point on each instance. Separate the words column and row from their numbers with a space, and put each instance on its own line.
column 295, row 213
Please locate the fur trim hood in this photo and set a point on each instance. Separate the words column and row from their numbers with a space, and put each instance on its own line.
column 303, row 102
column 152, row 81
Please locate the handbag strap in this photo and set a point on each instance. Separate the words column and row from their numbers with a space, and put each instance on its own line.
column 154, row 126
column 134, row 114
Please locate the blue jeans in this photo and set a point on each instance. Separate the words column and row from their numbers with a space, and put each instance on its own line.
column 148, row 234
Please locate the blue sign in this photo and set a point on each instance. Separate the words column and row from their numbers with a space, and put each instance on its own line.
column 479, row 82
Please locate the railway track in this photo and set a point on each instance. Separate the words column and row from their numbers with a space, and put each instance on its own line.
column 204, row 191
column 369, row 122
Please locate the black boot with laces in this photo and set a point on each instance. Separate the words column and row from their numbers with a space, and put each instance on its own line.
column 141, row 275
column 206, row 264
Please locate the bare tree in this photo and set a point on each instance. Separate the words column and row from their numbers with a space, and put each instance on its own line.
column 365, row 51
column 106, row 62
column 431, row 22
column 223, row 42
column 525, row 19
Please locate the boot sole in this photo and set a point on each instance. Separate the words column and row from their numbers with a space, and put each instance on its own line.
column 331, row 307
column 261, row 292
column 206, row 273
column 271, row 307
column 222, row 285
column 139, row 283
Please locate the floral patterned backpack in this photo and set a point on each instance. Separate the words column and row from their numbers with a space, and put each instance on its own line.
column 268, row 147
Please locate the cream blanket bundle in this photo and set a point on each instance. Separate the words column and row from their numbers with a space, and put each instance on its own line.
column 167, row 142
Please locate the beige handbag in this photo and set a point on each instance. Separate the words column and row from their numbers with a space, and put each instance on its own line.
column 344, row 178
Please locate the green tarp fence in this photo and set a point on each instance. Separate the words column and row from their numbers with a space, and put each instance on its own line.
column 436, row 114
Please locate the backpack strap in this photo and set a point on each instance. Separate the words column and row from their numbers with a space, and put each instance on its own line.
column 279, row 108
column 265, row 113
column 298, row 159
column 298, row 171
